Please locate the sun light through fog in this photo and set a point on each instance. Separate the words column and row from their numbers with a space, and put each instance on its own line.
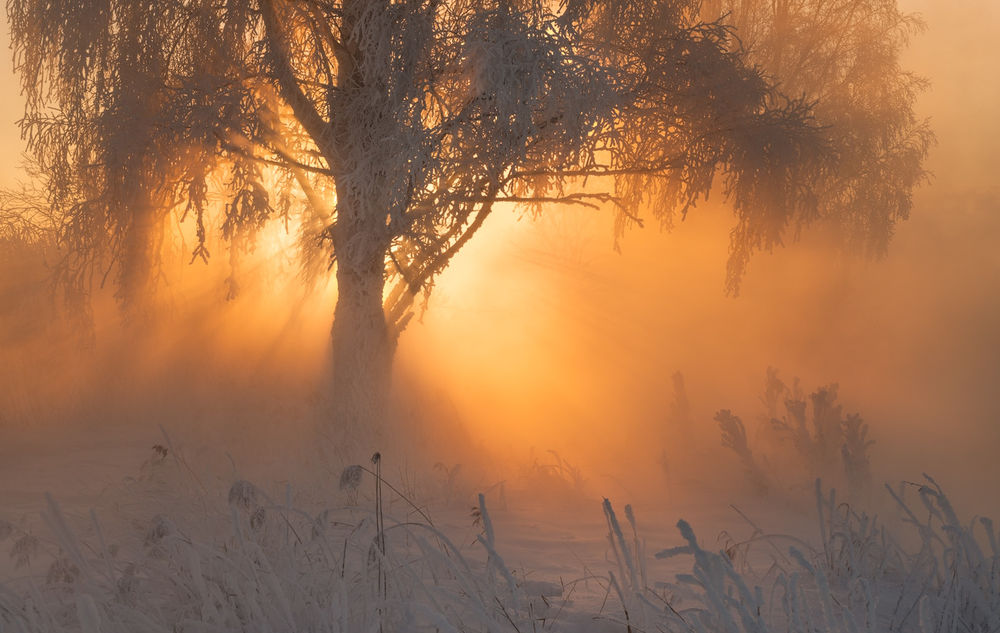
column 541, row 336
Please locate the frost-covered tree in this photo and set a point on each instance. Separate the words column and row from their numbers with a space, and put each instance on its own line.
column 843, row 56
column 403, row 124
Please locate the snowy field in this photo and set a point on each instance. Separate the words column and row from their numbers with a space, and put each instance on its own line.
column 158, row 539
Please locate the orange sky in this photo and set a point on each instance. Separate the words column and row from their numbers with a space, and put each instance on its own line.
column 11, row 109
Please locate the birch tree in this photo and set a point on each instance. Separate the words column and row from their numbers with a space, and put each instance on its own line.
column 402, row 125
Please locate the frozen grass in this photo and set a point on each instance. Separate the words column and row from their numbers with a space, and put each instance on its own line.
column 281, row 568
column 859, row 579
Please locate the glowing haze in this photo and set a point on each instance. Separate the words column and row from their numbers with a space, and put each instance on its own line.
column 545, row 337
column 542, row 337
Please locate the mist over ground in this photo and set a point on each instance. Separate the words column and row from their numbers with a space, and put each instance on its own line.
column 546, row 337
column 544, row 350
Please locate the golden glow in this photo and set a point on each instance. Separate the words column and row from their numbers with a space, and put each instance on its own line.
column 11, row 110
column 542, row 337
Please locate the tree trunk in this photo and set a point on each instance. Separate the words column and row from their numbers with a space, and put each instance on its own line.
column 362, row 352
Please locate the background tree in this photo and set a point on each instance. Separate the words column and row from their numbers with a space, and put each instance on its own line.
column 843, row 56
column 402, row 125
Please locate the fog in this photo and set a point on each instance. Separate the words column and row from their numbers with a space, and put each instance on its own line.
column 546, row 337
column 541, row 336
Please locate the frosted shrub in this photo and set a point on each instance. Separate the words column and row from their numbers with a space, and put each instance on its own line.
column 824, row 442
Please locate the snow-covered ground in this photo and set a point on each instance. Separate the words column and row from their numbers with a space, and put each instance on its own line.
column 137, row 538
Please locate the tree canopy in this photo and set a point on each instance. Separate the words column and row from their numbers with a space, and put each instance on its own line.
column 401, row 125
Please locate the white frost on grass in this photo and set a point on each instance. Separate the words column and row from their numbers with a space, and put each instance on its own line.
column 282, row 568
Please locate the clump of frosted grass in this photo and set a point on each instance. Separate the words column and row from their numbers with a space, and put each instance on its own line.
column 277, row 568
column 859, row 579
